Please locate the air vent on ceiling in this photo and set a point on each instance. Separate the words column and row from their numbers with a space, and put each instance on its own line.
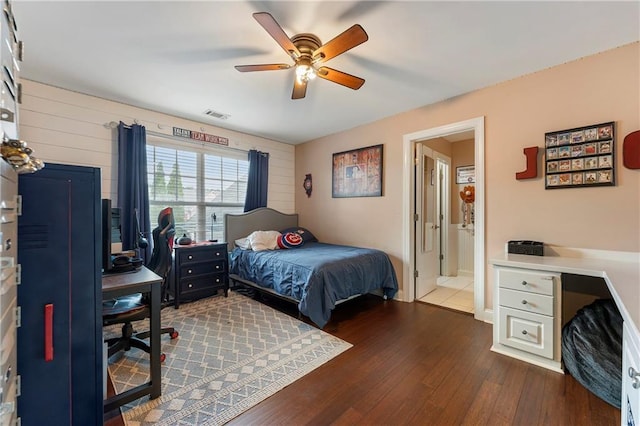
column 216, row 114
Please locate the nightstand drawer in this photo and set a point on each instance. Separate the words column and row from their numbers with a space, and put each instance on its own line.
column 211, row 281
column 541, row 283
column 529, row 302
column 526, row 331
column 202, row 254
column 190, row 270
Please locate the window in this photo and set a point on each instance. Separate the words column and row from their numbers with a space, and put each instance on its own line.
column 201, row 184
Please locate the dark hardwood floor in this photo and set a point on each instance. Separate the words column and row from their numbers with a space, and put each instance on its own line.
column 417, row 364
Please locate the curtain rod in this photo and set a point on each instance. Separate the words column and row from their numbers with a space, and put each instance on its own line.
column 113, row 125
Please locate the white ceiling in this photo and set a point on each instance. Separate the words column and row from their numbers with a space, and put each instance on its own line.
column 178, row 57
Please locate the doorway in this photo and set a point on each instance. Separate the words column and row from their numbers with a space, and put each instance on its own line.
column 447, row 172
column 411, row 210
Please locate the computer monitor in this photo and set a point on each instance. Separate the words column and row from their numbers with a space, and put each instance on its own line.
column 111, row 238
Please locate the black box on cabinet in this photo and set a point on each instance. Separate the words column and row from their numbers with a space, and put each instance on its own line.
column 534, row 248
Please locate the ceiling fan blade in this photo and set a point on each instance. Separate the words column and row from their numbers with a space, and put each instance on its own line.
column 299, row 89
column 274, row 29
column 263, row 67
column 347, row 80
column 347, row 40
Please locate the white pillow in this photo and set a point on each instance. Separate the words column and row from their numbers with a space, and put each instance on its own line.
column 263, row 240
column 243, row 243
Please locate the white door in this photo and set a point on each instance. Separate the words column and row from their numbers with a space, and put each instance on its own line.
column 427, row 222
column 443, row 208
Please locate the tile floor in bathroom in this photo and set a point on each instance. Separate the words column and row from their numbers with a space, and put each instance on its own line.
column 453, row 293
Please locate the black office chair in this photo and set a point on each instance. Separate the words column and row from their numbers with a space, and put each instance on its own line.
column 126, row 309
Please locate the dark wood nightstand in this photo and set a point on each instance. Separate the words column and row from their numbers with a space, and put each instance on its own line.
column 199, row 270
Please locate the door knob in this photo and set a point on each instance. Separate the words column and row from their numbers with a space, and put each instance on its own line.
column 635, row 378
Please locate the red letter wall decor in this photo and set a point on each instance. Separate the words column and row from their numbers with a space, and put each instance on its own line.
column 532, row 164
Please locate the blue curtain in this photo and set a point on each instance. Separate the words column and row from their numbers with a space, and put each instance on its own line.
column 133, row 189
column 257, row 181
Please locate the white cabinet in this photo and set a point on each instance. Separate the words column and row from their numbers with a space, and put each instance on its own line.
column 527, row 316
column 10, row 55
column 630, row 407
column 540, row 276
column 8, row 293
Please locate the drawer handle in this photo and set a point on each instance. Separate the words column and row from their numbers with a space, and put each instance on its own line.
column 217, row 280
column 6, row 115
column 217, row 266
column 190, row 257
column 524, row 332
column 190, row 285
column 217, row 254
column 635, row 378
column 7, row 205
column 524, row 302
column 189, row 271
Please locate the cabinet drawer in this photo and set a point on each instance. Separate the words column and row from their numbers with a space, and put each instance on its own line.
column 526, row 331
column 8, row 355
column 8, row 371
column 630, row 408
column 202, row 282
column 8, row 323
column 529, row 302
column 8, row 288
column 201, row 254
column 534, row 282
column 202, row 268
column 9, row 240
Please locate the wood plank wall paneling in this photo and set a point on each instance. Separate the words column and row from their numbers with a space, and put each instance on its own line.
column 68, row 127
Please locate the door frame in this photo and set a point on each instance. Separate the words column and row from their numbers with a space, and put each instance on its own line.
column 408, row 207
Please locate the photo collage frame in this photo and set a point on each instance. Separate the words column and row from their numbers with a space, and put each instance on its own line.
column 580, row 157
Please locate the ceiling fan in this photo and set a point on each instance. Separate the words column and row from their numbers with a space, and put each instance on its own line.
column 308, row 54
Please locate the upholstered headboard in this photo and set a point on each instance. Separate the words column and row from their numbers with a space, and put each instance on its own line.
column 261, row 219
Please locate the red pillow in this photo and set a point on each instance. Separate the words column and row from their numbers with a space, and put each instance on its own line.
column 290, row 240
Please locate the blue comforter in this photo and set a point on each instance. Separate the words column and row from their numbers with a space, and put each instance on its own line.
column 317, row 275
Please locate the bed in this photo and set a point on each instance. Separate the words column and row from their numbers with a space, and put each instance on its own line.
column 316, row 275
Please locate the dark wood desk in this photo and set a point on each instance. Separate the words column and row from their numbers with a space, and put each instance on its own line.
column 141, row 281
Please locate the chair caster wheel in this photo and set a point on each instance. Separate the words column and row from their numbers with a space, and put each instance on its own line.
column 174, row 335
column 163, row 357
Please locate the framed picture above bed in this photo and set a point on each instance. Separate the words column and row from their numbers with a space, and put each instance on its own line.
column 357, row 173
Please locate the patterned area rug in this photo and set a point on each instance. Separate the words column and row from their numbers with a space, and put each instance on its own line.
column 231, row 354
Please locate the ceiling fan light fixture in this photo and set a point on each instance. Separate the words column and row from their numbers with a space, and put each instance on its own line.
column 305, row 72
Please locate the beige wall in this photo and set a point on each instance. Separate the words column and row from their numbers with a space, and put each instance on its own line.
column 595, row 89
column 69, row 128
column 461, row 153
